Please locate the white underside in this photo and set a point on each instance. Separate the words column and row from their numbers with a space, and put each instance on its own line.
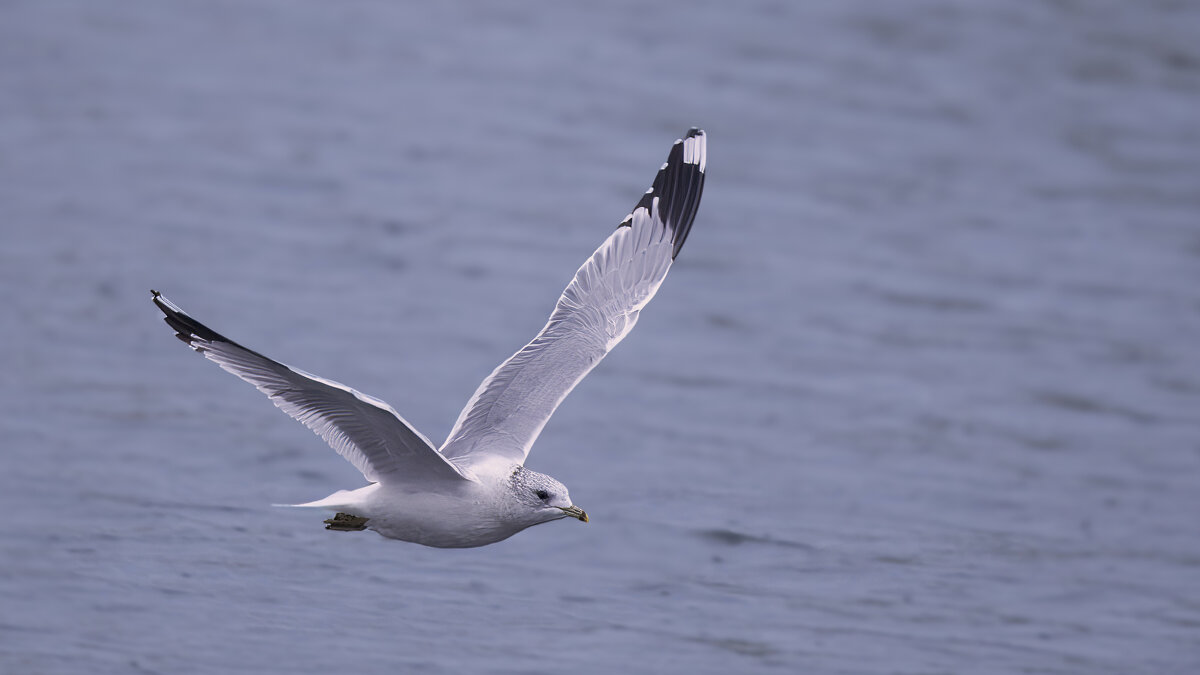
column 458, row 514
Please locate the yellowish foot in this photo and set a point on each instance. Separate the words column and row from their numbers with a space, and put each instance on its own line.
column 344, row 522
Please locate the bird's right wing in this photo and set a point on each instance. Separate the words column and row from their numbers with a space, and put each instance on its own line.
column 363, row 429
column 598, row 308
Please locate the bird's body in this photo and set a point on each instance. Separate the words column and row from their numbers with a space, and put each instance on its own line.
column 447, row 514
column 474, row 490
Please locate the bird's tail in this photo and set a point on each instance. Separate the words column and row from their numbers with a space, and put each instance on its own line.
column 339, row 500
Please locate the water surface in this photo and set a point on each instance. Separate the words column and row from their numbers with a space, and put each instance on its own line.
column 922, row 393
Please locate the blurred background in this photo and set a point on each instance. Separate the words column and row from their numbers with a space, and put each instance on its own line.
column 922, row 393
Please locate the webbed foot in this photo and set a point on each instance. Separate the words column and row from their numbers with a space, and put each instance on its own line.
column 344, row 522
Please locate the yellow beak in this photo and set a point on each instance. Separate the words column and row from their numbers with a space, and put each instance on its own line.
column 575, row 512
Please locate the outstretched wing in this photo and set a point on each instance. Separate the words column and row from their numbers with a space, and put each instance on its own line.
column 363, row 429
column 598, row 308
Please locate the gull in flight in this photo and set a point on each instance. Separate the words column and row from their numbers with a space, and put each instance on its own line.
column 475, row 489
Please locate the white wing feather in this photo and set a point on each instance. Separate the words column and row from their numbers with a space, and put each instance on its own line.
column 598, row 308
column 363, row 429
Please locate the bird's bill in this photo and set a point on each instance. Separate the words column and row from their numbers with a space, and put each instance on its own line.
column 575, row 512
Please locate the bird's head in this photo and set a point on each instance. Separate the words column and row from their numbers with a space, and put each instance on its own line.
column 545, row 495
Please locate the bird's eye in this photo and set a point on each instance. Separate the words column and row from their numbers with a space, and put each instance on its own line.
column 542, row 495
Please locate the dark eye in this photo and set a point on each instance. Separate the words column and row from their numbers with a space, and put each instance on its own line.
column 542, row 495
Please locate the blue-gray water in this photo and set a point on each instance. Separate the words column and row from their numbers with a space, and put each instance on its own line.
column 922, row 394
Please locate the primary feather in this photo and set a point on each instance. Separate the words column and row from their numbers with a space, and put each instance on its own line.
column 598, row 308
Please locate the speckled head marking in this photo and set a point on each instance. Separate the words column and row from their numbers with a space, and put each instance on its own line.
column 540, row 491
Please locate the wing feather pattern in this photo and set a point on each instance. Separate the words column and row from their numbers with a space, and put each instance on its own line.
column 363, row 429
column 598, row 308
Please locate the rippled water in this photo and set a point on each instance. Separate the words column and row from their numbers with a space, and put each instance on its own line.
column 921, row 395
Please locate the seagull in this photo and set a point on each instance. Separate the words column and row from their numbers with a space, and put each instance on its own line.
column 475, row 490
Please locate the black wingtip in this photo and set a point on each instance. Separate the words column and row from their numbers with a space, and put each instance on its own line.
column 678, row 186
column 190, row 331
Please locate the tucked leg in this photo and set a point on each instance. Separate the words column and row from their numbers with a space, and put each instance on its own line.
column 344, row 522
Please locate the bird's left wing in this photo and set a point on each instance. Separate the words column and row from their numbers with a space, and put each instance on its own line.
column 598, row 308
column 363, row 429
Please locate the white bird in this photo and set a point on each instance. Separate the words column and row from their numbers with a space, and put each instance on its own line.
column 474, row 490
